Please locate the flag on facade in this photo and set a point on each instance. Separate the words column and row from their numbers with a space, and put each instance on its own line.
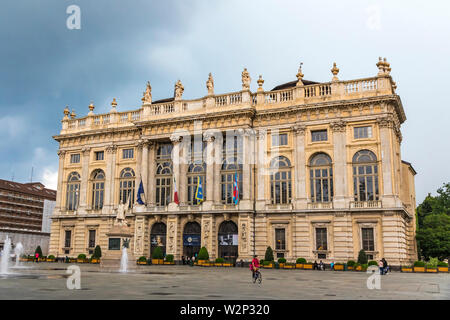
column 235, row 189
column 141, row 194
column 199, row 193
column 128, row 204
column 175, row 194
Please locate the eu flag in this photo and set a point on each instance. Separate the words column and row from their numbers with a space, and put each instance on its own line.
column 199, row 193
column 140, row 193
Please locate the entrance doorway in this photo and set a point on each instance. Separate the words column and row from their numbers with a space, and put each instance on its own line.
column 158, row 237
column 191, row 239
column 228, row 241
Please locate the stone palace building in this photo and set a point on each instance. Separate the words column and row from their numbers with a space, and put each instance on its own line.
column 317, row 168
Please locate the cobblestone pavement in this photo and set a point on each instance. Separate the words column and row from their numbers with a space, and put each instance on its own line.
column 48, row 281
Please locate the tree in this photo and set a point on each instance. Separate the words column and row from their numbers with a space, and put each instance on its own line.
column 269, row 254
column 434, row 236
column 39, row 251
column 203, row 254
column 97, row 252
column 362, row 257
column 157, row 253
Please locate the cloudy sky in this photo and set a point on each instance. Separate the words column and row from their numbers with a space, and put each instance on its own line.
column 122, row 44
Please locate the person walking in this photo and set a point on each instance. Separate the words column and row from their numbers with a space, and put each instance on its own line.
column 36, row 255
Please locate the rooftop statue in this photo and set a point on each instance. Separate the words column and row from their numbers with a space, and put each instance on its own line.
column 246, row 80
column 210, row 85
column 147, row 94
column 178, row 90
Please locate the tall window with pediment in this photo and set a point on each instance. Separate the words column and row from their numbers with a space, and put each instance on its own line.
column 126, row 186
column 280, row 180
column 365, row 176
column 98, row 189
column 163, row 176
column 231, row 169
column 73, row 191
column 321, row 178
column 196, row 174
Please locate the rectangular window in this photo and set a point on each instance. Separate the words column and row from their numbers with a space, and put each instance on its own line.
column 280, row 239
column 321, row 239
column 367, row 239
column 91, row 238
column 68, row 238
column 75, row 158
column 99, row 155
column 319, row 135
column 128, row 153
column 279, row 140
column 114, row 244
column 363, row 132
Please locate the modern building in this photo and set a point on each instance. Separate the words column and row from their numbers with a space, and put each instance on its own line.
column 313, row 170
column 25, row 211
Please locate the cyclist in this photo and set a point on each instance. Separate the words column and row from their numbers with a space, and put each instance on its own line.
column 254, row 266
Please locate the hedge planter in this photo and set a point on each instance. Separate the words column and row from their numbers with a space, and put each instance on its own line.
column 432, row 270
column 95, row 261
column 227, row 264
column 288, row 266
column 268, row 266
column 308, row 266
column 50, row 260
column 299, row 266
column 282, row 265
column 141, row 262
column 443, row 269
column 157, row 261
column 359, row 268
column 350, row 268
column 407, row 269
column 169, row 262
column 218, row 264
column 419, row 269
column 338, row 267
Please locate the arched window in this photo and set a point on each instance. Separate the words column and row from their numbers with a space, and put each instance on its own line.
column 164, row 174
column 365, row 176
column 231, row 169
column 321, row 178
column 228, row 240
column 196, row 172
column 73, row 191
column 280, row 180
column 98, row 188
column 158, row 237
column 126, row 186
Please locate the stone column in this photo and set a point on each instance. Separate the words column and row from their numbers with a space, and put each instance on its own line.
column 340, row 164
column 109, row 179
column 209, row 138
column 86, row 151
column 207, row 234
column 141, row 224
column 386, row 126
column 151, row 174
column 300, row 167
column 245, row 252
column 261, row 170
column 58, row 205
column 172, row 237
column 218, row 145
column 176, row 139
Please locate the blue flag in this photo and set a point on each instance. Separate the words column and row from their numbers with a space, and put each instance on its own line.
column 199, row 193
column 140, row 193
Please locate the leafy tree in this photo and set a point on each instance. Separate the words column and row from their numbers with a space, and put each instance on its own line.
column 203, row 254
column 38, row 250
column 434, row 236
column 362, row 257
column 157, row 253
column 97, row 252
column 269, row 254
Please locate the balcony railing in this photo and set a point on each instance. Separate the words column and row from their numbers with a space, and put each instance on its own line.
column 376, row 204
column 320, row 205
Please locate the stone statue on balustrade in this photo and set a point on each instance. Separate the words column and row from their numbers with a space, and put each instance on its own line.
column 147, row 94
column 178, row 90
column 246, row 80
column 210, row 85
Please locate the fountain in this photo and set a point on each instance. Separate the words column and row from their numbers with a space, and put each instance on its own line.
column 124, row 260
column 18, row 250
column 5, row 256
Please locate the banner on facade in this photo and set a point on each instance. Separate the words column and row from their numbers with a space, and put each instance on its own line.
column 158, row 240
column 228, row 239
column 193, row 240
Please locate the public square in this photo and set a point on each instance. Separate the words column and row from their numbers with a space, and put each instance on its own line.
column 48, row 281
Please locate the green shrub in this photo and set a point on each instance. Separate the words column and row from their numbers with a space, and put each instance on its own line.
column 269, row 254
column 356, row 265
column 266, row 263
column 281, row 260
column 203, row 254
column 364, row 266
column 142, row 259
column 338, row 264
column 301, row 260
column 97, row 252
column 51, row 256
column 169, row 258
column 419, row 264
column 432, row 263
column 373, row 263
column 81, row 256
column 39, row 251
column 220, row 260
column 362, row 257
column 351, row 263
column 157, row 253
column 442, row 264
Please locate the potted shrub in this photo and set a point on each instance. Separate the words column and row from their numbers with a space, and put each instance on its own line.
column 227, row 264
column 299, row 263
column 38, row 251
column 219, row 262
column 357, row 267
column 339, row 266
column 364, row 267
column 442, row 266
column 362, row 257
column 157, row 256
column 97, row 255
column 373, row 263
column 169, row 259
column 281, row 262
column 81, row 258
column 308, row 265
column 142, row 260
column 267, row 264
column 406, row 269
column 419, row 266
column 351, row 264
column 51, row 258
column 432, row 265
column 203, row 256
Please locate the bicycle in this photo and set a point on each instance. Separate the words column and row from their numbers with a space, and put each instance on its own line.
column 257, row 277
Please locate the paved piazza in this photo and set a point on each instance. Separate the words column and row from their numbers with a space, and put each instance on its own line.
column 48, row 281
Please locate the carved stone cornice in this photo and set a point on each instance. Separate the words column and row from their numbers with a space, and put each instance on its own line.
column 299, row 129
column 338, row 126
column 111, row 149
column 86, row 151
column 385, row 122
column 139, row 144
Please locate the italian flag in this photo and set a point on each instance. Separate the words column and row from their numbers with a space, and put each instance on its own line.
column 175, row 191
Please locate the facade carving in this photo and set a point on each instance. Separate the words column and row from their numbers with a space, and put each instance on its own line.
column 296, row 153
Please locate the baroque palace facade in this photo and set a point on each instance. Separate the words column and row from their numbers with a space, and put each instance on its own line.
column 317, row 165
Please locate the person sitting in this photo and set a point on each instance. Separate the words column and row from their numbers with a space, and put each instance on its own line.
column 380, row 265
column 332, row 265
column 385, row 266
column 321, row 265
column 316, row 266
